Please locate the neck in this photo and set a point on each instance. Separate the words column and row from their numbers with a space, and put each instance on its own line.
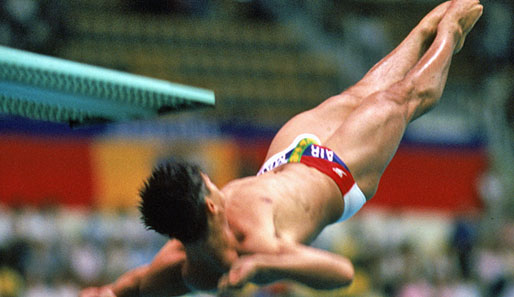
column 199, row 251
column 216, row 249
column 203, row 254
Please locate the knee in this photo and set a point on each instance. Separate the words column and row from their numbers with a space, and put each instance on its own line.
column 421, row 97
column 391, row 104
column 410, row 99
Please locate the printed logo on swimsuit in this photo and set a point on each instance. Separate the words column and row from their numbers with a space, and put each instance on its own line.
column 339, row 172
column 322, row 153
column 280, row 160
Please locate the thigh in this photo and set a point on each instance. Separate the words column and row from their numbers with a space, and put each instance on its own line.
column 369, row 137
column 321, row 121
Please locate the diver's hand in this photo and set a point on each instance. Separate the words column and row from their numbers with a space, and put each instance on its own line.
column 245, row 269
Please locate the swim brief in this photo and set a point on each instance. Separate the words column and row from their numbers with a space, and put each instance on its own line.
column 307, row 149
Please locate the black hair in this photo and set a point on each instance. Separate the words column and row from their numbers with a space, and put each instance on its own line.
column 173, row 201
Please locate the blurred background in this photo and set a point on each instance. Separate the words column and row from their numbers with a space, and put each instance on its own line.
column 441, row 224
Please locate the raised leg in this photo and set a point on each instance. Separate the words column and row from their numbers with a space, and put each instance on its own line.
column 328, row 116
column 426, row 81
column 370, row 136
column 396, row 64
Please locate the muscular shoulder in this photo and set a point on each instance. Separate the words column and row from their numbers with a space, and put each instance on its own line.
column 255, row 205
column 248, row 200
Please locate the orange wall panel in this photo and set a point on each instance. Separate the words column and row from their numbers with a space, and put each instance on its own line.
column 120, row 167
column 222, row 157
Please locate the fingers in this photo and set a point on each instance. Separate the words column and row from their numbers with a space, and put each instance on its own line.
column 241, row 272
column 225, row 289
column 236, row 277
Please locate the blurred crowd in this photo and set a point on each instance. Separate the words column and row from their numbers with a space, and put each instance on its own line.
column 466, row 259
column 56, row 251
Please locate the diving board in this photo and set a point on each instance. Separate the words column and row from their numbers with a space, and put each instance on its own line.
column 45, row 88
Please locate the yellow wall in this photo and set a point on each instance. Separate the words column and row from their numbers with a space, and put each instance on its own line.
column 120, row 165
column 119, row 168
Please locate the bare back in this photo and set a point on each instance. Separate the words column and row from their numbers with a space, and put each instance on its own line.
column 293, row 202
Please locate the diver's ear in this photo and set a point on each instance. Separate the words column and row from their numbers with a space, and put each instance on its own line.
column 208, row 183
column 211, row 206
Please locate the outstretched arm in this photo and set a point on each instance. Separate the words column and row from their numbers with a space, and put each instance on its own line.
column 162, row 277
column 313, row 267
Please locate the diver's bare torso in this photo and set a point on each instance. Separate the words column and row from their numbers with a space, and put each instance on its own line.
column 292, row 203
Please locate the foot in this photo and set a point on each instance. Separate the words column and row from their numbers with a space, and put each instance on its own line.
column 430, row 22
column 463, row 13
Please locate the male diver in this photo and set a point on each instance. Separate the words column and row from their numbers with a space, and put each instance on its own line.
column 321, row 168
